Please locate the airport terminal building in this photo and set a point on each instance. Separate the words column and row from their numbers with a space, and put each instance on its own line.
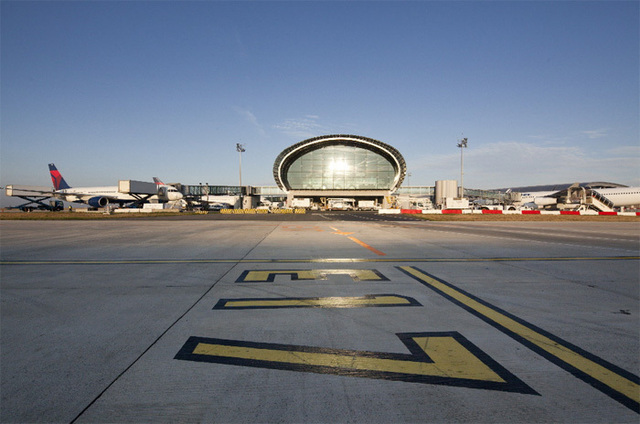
column 330, row 167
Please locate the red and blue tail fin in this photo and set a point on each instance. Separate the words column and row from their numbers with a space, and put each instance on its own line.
column 157, row 181
column 58, row 182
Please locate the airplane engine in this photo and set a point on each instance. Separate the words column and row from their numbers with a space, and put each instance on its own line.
column 544, row 201
column 98, row 202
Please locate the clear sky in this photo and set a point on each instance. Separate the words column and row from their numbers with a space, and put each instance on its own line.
column 545, row 92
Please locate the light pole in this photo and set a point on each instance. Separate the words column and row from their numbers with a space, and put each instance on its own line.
column 462, row 145
column 240, row 149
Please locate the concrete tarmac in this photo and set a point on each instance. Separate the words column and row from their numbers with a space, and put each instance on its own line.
column 322, row 321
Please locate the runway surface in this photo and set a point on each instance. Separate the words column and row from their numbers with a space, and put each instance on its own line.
column 332, row 320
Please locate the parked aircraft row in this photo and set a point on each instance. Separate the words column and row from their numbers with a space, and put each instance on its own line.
column 617, row 196
column 98, row 196
column 102, row 196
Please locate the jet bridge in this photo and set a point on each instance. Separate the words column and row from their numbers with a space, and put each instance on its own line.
column 140, row 190
column 24, row 190
column 34, row 195
column 137, row 188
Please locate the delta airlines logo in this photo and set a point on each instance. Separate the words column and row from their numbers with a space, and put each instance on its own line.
column 56, row 178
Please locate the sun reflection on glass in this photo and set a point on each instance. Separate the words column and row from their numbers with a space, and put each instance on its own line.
column 338, row 165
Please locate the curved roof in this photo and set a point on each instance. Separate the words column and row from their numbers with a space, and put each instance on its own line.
column 292, row 153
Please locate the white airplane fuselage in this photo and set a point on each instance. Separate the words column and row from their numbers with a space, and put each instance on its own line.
column 621, row 196
column 168, row 193
column 84, row 194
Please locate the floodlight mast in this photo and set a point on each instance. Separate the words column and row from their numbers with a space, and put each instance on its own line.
column 462, row 145
column 240, row 148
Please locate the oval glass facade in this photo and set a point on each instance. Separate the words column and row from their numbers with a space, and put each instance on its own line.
column 340, row 167
column 337, row 163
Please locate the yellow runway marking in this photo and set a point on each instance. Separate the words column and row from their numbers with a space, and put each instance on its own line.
column 608, row 378
column 436, row 358
column 444, row 352
column 318, row 302
column 263, row 276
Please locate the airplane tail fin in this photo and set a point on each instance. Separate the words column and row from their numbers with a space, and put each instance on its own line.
column 157, row 181
column 58, row 182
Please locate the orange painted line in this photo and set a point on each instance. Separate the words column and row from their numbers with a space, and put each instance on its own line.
column 365, row 245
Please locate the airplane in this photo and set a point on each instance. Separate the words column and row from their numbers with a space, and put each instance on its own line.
column 610, row 198
column 102, row 196
column 167, row 193
column 620, row 196
column 538, row 198
column 96, row 197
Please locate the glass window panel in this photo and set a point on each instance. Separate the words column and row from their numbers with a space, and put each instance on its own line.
column 341, row 167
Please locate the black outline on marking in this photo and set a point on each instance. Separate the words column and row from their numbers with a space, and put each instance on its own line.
column 629, row 403
column 223, row 302
column 511, row 384
column 293, row 273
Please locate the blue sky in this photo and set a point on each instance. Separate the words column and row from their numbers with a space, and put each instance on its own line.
column 545, row 92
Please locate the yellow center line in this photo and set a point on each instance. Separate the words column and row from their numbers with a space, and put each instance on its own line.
column 564, row 353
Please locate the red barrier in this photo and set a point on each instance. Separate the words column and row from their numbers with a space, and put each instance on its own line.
column 569, row 212
column 452, row 211
column 608, row 213
column 530, row 212
column 492, row 211
column 410, row 211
